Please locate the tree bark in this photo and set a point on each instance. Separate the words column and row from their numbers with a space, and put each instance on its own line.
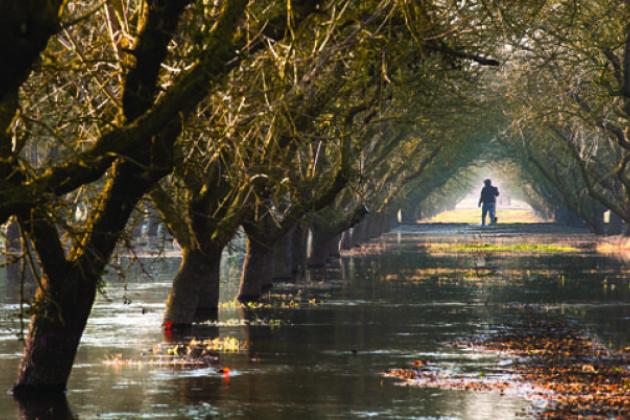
column 300, row 236
column 372, row 229
column 358, row 233
column 346, row 240
column 409, row 215
column 390, row 222
column 54, row 334
column 196, row 269
column 333, row 246
column 615, row 224
column 320, row 246
column 257, row 270
column 64, row 300
column 598, row 223
column 376, row 225
column 283, row 257
column 568, row 217
column 208, row 305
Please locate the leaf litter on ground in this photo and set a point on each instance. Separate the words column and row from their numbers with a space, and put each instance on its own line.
column 553, row 363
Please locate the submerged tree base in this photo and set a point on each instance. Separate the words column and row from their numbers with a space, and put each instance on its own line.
column 22, row 392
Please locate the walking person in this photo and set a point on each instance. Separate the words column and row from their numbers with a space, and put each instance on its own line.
column 488, row 202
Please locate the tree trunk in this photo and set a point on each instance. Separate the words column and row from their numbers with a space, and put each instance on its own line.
column 390, row 222
column 300, row 237
column 615, row 224
column 598, row 223
column 358, row 233
column 283, row 257
column 195, row 270
column 257, row 270
column 565, row 216
column 54, row 334
column 409, row 215
column 561, row 215
column 372, row 228
column 333, row 246
column 576, row 221
column 208, row 305
column 346, row 241
column 320, row 246
column 377, row 225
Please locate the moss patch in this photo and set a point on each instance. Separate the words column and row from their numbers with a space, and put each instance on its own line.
column 512, row 248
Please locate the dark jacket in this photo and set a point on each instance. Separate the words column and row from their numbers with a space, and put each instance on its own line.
column 489, row 194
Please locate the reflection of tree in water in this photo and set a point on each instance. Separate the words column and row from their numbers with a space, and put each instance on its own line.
column 46, row 409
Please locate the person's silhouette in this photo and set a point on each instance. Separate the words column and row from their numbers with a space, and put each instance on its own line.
column 488, row 202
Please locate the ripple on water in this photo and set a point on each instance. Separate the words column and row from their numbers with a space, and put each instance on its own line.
column 10, row 356
column 211, row 372
column 303, row 369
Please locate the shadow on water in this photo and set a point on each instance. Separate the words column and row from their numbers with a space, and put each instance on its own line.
column 319, row 346
column 45, row 409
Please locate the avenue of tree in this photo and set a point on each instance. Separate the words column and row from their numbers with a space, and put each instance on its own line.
column 284, row 118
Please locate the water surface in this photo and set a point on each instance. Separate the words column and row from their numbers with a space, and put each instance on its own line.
column 381, row 308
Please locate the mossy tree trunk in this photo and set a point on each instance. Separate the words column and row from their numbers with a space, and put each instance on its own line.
column 358, row 234
column 194, row 295
column 615, row 224
column 208, row 305
column 410, row 214
column 283, row 257
column 68, row 288
column 327, row 227
column 257, row 273
column 375, row 225
column 134, row 157
column 299, row 249
column 345, row 242
column 195, row 288
column 321, row 238
column 333, row 246
column 598, row 222
column 54, row 336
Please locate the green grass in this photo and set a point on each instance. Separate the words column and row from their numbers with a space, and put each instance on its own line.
column 516, row 248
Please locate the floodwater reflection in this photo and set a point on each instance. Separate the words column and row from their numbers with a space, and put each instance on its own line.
column 45, row 409
column 379, row 308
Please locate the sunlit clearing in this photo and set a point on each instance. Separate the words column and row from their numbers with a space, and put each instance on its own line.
column 467, row 212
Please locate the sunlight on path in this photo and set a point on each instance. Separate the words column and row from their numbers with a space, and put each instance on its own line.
column 473, row 216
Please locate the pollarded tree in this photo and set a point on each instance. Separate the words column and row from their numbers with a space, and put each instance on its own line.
column 568, row 83
column 229, row 150
column 127, row 154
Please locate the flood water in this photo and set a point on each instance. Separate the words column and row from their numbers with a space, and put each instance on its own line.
column 397, row 301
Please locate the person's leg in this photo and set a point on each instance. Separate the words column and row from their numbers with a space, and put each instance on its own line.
column 492, row 210
column 484, row 212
